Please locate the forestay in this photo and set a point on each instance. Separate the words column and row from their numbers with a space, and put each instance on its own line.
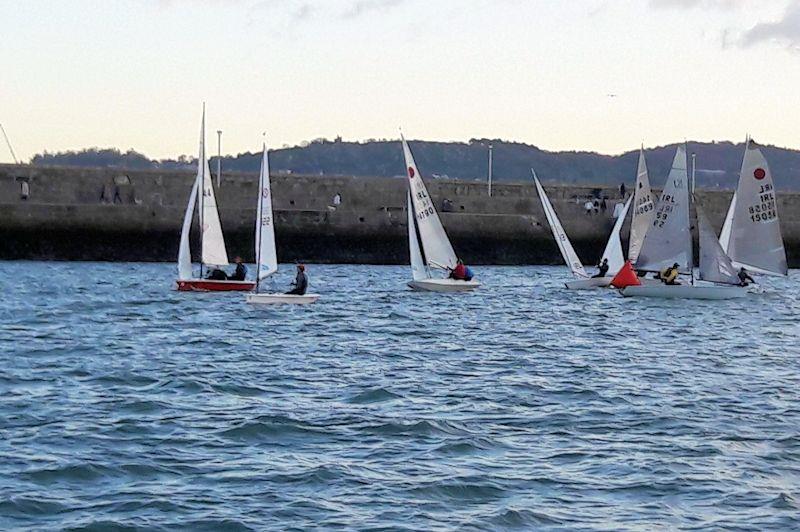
column 438, row 252
column 755, row 232
column 643, row 209
column 715, row 265
column 418, row 269
column 613, row 251
column 266, row 254
column 564, row 245
column 669, row 238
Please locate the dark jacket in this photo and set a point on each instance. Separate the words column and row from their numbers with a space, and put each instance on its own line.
column 240, row 274
column 301, row 283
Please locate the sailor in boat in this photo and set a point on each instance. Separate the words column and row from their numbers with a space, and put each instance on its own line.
column 300, row 282
column 461, row 272
column 241, row 271
column 239, row 275
column 602, row 269
column 217, row 275
column 744, row 277
column 669, row 275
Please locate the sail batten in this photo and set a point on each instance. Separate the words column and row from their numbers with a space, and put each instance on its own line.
column 755, row 239
column 564, row 245
column 668, row 239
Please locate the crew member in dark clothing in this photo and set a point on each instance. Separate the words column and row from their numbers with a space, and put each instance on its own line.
column 241, row 270
column 602, row 269
column 669, row 275
column 217, row 275
column 744, row 277
column 300, row 282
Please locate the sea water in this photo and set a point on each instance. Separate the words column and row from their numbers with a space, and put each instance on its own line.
column 126, row 404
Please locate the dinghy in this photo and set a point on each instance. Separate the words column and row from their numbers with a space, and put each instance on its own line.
column 212, row 242
column 751, row 236
column 612, row 252
column 666, row 244
column 266, row 252
column 429, row 247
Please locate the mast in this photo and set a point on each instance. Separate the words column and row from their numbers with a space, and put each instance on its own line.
column 258, row 221
column 202, row 165
column 490, row 169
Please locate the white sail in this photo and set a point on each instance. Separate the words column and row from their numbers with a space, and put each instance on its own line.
column 669, row 238
column 725, row 234
column 613, row 251
column 418, row 269
column 438, row 252
column 213, row 243
column 755, row 232
column 715, row 265
column 185, row 251
column 266, row 254
column 567, row 251
column 644, row 209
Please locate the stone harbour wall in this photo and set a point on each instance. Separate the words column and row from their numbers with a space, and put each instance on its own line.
column 123, row 215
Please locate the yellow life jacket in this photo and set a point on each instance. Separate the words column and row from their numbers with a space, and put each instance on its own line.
column 672, row 274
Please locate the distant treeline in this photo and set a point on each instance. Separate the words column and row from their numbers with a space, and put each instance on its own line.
column 718, row 163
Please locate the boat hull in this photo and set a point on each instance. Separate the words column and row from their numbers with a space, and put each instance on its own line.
column 684, row 291
column 443, row 285
column 208, row 285
column 281, row 299
column 588, row 284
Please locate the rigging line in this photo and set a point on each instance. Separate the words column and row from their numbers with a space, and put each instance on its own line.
column 8, row 143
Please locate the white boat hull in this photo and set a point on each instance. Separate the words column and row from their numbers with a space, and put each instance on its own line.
column 443, row 285
column 684, row 291
column 588, row 284
column 281, row 299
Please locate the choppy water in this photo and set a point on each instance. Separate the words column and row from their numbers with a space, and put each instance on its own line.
column 126, row 404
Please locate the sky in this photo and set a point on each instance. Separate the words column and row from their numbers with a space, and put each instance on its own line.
column 600, row 75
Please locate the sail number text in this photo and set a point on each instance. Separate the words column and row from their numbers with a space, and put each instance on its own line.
column 764, row 210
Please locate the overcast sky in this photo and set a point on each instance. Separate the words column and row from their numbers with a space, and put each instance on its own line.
column 600, row 75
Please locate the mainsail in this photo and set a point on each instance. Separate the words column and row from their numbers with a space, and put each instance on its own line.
column 755, row 232
column 669, row 238
column 266, row 254
column 213, row 243
column 613, row 251
column 564, row 245
column 643, row 209
column 419, row 270
column 715, row 265
column 436, row 246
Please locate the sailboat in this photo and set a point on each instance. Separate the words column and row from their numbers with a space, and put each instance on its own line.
column 751, row 235
column 266, row 252
column 429, row 247
column 669, row 241
column 612, row 252
column 212, row 242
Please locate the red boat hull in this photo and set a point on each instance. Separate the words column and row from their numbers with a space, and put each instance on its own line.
column 207, row 285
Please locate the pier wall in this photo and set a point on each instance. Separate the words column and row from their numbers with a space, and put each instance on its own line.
column 123, row 215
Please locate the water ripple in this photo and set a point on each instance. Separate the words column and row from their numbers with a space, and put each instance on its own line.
column 125, row 405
